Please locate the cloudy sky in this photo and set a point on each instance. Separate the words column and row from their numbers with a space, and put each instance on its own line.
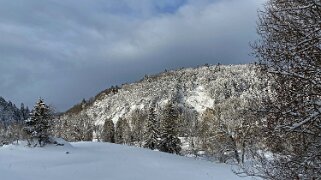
column 67, row 50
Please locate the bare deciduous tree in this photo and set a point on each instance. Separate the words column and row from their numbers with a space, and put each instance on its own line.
column 289, row 51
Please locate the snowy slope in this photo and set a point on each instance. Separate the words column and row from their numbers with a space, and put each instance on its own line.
column 102, row 161
column 194, row 89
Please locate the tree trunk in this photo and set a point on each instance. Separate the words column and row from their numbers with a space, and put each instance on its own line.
column 243, row 151
column 236, row 154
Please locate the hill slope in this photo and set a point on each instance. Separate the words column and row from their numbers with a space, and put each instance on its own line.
column 193, row 88
column 194, row 91
column 103, row 161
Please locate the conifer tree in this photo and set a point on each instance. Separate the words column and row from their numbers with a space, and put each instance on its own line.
column 152, row 133
column 109, row 131
column 127, row 133
column 138, row 124
column 119, row 139
column 123, row 132
column 37, row 126
column 169, row 131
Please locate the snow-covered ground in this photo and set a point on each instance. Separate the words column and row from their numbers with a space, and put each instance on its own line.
column 103, row 161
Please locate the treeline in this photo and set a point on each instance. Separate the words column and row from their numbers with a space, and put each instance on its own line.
column 226, row 132
column 146, row 128
column 11, row 121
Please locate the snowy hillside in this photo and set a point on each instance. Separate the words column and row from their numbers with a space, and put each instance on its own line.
column 103, row 161
column 194, row 89
column 9, row 112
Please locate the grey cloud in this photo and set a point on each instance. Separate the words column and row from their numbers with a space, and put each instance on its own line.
column 68, row 50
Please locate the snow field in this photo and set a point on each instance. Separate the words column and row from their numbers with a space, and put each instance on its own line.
column 103, row 161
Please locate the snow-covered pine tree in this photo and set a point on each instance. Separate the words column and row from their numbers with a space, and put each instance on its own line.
column 9, row 113
column 119, row 139
column 108, row 134
column 84, row 128
column 169, row 131
column 37, row 126
column 152, row 133
column 127, row 133
column 24, row 112
column 138, row 125
column 123, row 132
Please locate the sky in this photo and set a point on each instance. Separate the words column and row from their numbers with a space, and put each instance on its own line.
column 64, row 51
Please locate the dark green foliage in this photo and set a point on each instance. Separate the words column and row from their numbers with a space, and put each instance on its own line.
column 169, row 131
column 152, row 133
column 9, row 113
column 37, row 126
column 108, row 134
column 24, row 112
column 123, row 132
column 138, row 124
